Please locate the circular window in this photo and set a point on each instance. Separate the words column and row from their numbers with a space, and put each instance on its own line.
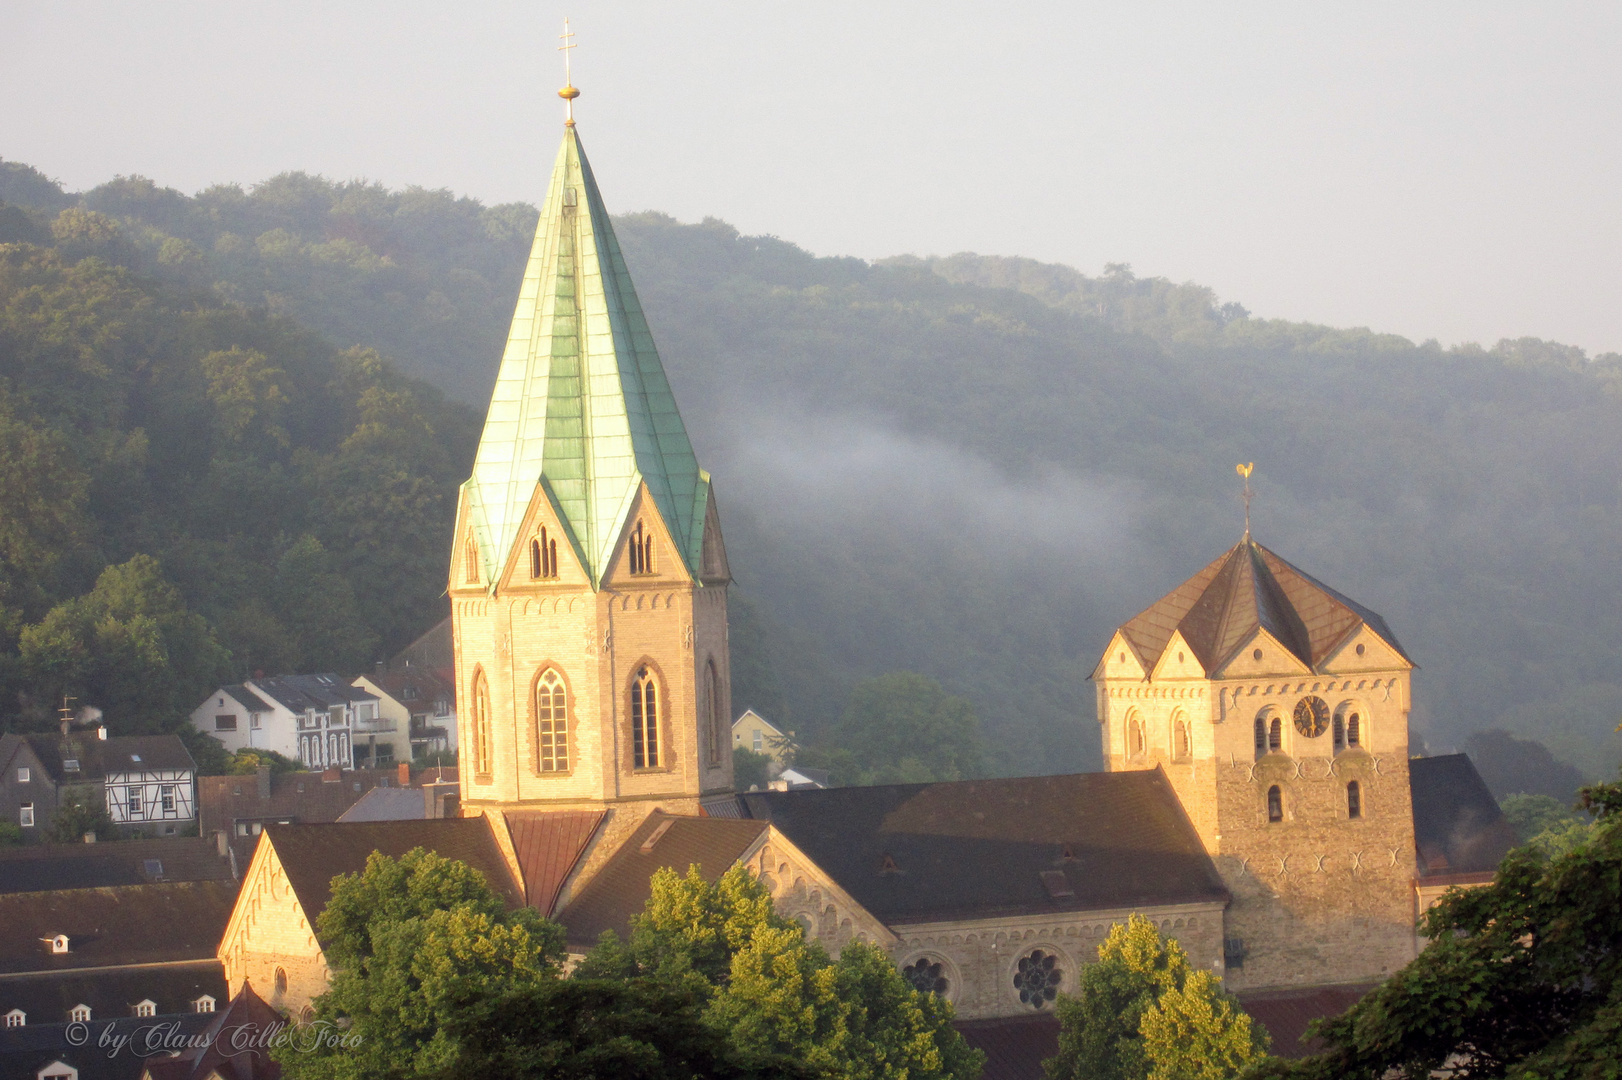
column 1256, row 654
column 925, row 976
column 1037, row 978
column 1360, row 649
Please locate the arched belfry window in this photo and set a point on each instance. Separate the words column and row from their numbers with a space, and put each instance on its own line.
column 1180, row 744
column 1340, row 733
column 1354, row 730
column 470, row 561
column 551, row 723
column 1275, row 734
column 644, row 720
column 1275, row 804
column 543, row 555
column 714, row 716
column 1137, row 743
column 641, row 550
column 481, row 724
column 1354, row 800
column 1261, row 737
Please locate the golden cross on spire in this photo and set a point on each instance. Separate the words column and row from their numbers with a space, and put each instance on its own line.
column 568, row 93
column 1245, row 471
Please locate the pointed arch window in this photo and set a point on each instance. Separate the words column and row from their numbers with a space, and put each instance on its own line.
column 1275, row 804
column 645, row 749
column 714, row 715
column 1180, row 743
column 1354, row 800
column 470, row 561
column 482, row 756
column 552, row 722
column 1137, row 744
column 543, row 555
column 641, row 550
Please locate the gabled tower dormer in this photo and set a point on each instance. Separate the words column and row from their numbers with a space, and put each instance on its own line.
column 1278, row 709
column 588, row 577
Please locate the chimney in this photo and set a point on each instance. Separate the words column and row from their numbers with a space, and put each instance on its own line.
column 380, row 668
column 405, row 774
column 220, row 843
column 66, row 724
column 262, row 777
column 90, row 838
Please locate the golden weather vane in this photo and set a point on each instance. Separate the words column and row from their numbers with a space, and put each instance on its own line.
column 1245, row 470
column 568, row 93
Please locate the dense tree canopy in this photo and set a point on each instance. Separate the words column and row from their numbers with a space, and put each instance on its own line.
column 901, row 728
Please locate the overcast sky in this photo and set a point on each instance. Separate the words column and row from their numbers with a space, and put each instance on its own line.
column 1443, row 170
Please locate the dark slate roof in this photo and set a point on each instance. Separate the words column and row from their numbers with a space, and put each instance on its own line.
column 990, row 848
column 312, row 855
column 97, row 757
column 48, row 867
column 131, row 924
column 298, row 693
column 1286, row 1013
column 387, row 804
column 622, row 887
column 549, row 845
column 1250, row 588
column 220, row 1050
column 1458, row 827
column 1015, row 1046
column 25, row 1050
column 249, row 700
column 111, row 994
column 417, row 688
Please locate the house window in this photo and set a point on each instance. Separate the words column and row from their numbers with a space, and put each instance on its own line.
column 366, row 710
column 470, row 561
column 1354, row 730
column 133, row 801
column 204, row 1004
column 717, row 721
column 481, row 724
column 543, row 556
column 442, row 707
column 167, row 793
column 16, row 1018
column 1275, row 804
column 1275, row 734
column 146, row 1008
column 225, row 723
column 25, row 815
column 71, row 764
column 79, row 1014
column 253, row 721
column 925, row 976
column 23, row 775
column 335, row 716
column 1037, row 978
column 552, row 722
column 1354, row 800
column 757, row 740
column 641, row 550
column 644, row 721
column 408, row 693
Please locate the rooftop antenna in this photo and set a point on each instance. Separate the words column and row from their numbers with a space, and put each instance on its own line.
column 1245, row 470
column 568, row 93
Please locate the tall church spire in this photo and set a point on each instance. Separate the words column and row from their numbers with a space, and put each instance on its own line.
column 582, row 409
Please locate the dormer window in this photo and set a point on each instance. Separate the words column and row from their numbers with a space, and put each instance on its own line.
column 135, row 758
column 71, row 764
column 16, row 1018
column 543, row 556
column 204, row 1004
column 146, row 1008
column 59, row 943
column 641, row 550
column 23, row 774
column 79, row 1014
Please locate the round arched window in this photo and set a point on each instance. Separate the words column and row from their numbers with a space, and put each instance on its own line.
column 925, row 976
column 1037, row 978
column 280, row 982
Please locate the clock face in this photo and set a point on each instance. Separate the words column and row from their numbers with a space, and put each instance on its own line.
column 1311, row 717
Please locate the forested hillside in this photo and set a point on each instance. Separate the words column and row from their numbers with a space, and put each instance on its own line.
column 969, row 467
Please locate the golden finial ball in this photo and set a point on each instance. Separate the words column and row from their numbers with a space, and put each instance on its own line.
column 568, row 93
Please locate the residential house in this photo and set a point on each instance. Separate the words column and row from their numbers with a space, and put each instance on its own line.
column 147, row 783
column 751, row 731
column 319, row 720
column 239, row 807
column 419, row 701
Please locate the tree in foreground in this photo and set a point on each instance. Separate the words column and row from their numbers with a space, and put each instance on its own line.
column 1522, row 978
column 1142, row 1013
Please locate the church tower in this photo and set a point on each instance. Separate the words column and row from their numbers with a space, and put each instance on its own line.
column 588, row 577
column 1278, row 709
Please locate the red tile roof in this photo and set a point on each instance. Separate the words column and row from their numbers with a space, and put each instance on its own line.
column 1286, row 1013
column 549, row 845
column 1015, row 1046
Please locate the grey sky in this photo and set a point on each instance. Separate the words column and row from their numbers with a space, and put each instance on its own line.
column 1442, row 170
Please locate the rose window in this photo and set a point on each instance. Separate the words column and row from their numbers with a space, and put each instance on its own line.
column 925, row 977
column 1037, row 979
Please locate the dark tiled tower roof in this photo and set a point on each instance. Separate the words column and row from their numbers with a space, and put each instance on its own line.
column 1246, row 589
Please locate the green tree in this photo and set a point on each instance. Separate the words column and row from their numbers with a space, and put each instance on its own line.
column 420, row 947
column 1142, row 1012
column 11, row 834
column 901, row 728
column 750, row 769
column 1521, row 978
column 78, row 815
column 692, row 928
column 1547, row 824
column 246, row 762
column 129, row 647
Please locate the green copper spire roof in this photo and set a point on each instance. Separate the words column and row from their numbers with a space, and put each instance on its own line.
column 581, row 407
